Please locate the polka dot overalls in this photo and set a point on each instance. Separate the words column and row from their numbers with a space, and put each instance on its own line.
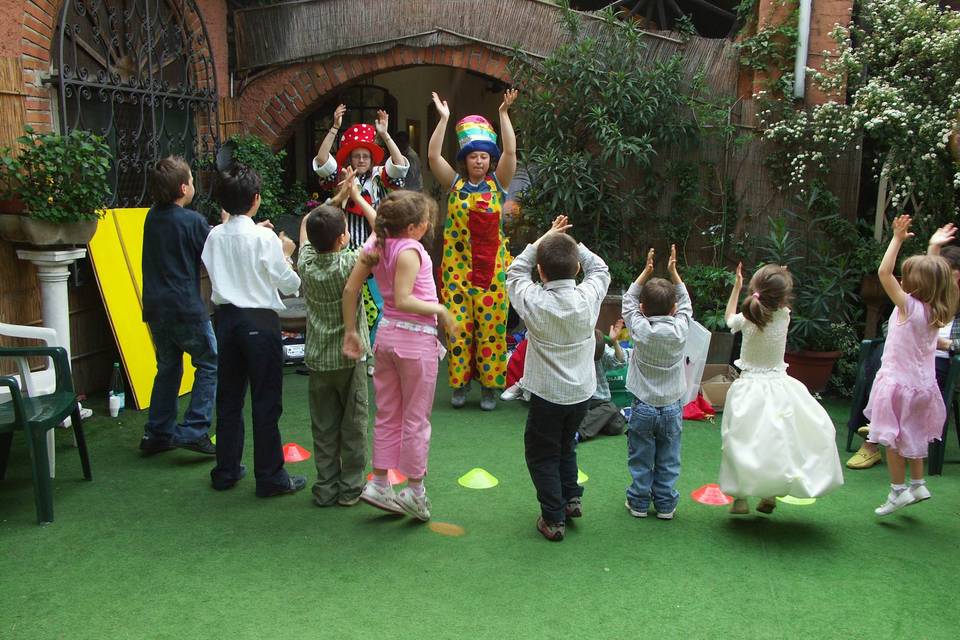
column 473, row 275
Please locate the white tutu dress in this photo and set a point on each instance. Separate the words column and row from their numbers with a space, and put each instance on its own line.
column 777, row 439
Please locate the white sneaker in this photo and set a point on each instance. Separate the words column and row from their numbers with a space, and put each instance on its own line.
column 636, row 513
column 414, row 505
column 895, row 502
column 668, row 515
column 380, row 497
column 511, row 393
column 919, row 492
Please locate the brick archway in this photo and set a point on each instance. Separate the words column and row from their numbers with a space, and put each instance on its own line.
column 273, row 105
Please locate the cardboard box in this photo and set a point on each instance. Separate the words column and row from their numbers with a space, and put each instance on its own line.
column 715, row 383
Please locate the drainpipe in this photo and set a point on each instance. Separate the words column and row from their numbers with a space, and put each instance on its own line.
column 803, row 45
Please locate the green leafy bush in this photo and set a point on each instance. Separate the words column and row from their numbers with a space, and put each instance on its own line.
column 59, row 178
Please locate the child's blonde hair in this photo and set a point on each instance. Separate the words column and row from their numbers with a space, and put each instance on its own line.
column 397, row 211
column 771, row 287
column 930, row 280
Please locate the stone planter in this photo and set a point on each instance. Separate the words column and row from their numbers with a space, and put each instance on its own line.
column 24, row 230
column 812, row 368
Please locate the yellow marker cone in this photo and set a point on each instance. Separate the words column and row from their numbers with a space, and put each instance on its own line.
column 213, row 439
column 801, row 502
column 581, row 476
column 477, row 478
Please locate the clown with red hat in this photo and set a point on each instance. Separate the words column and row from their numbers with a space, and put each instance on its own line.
column 475, row 253
column 359, row 150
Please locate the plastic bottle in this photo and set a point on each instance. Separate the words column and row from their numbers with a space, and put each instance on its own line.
column 116, row 395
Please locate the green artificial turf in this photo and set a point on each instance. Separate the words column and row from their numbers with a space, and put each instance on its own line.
column 149, row 550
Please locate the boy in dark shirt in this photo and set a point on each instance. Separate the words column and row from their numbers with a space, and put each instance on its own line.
column 173, row 239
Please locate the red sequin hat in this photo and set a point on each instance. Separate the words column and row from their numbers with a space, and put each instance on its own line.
column 359, row 136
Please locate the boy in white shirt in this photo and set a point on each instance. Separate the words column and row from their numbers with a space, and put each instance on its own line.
column 247, row 264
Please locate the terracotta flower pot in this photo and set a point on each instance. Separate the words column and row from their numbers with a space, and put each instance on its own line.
column 812, row 368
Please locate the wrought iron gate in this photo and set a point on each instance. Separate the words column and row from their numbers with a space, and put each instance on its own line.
column 141, row 74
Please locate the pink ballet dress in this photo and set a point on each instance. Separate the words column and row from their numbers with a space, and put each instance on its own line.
column 906, row 410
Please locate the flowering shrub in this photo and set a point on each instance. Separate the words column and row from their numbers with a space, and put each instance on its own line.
column 59, row 178
column 902, row 63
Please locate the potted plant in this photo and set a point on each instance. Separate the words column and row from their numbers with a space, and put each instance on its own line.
column 709, row 287
column 60, row 183
column 825, row 284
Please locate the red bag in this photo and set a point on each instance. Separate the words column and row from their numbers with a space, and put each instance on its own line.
column 698, row 409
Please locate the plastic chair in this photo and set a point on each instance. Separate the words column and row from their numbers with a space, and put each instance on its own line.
column 36, row 416
column 34, row 383
column 861, row 391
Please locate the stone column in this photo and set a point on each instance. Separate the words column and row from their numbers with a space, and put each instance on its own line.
column 53, row 272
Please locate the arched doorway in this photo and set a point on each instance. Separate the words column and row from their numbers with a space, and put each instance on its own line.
column 141, row 74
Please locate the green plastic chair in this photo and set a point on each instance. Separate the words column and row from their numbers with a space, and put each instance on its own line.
column 35, row 416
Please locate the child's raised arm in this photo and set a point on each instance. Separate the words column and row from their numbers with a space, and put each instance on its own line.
column 942, row 236
column 352, row 347
column 441, row 169
column 734, row 294
column 647, row 270
column 890, row 284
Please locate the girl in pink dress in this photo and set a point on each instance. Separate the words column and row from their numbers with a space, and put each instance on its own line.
column 906, row 410
column 406, row 348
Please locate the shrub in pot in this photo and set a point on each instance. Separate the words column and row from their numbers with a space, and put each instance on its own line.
column 62, row 184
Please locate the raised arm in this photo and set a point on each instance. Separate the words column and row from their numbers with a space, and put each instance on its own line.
column 889, row 282
column 352, row 346
column 507, row 165
column 731, row 309
column 942, row 236
column 382, row 126
column 440, row 168
column 323, row 152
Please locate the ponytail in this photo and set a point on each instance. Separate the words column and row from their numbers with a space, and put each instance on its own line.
column 770, row 289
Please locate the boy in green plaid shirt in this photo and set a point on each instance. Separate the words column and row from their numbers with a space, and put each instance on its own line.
column 338, row 385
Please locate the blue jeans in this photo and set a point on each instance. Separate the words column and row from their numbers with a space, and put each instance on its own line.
column 171, row 340
column 653, row 437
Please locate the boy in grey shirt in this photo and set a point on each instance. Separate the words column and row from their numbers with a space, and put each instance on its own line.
column 657, row 314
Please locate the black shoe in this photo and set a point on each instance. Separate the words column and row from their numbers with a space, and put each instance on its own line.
column 200, row 445
column 151, row 445
column 294, row 484
column 224, row 487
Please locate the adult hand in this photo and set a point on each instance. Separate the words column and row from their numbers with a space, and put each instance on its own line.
column 382, row 124
column 442, row 108
column 508, row 98
column 338, row 115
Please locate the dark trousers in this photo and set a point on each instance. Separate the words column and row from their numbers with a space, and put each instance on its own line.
column 602, row 417
column 249, row 350
column 550, row 451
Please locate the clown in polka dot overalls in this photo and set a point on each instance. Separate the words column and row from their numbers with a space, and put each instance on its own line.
column 475, row 255
column 473, row 272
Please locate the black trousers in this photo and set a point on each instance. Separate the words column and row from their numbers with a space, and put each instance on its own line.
column 550, row 451
column 870, row 369
column 249, row 351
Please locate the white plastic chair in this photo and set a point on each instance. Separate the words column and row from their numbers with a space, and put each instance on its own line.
column 35, row 382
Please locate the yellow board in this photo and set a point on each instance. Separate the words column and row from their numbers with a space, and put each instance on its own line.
column 115, row 252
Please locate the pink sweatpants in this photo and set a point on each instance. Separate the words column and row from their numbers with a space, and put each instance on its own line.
column 404, row 382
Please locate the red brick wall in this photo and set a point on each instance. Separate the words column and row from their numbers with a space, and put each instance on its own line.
column 274, row 104
column 28, row 29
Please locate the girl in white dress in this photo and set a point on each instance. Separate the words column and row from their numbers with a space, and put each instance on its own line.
column 777, row 439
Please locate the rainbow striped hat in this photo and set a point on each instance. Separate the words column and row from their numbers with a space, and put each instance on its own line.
column 474, row 133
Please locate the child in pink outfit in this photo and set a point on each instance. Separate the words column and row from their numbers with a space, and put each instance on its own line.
column 906, row 410
column 407, row 349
